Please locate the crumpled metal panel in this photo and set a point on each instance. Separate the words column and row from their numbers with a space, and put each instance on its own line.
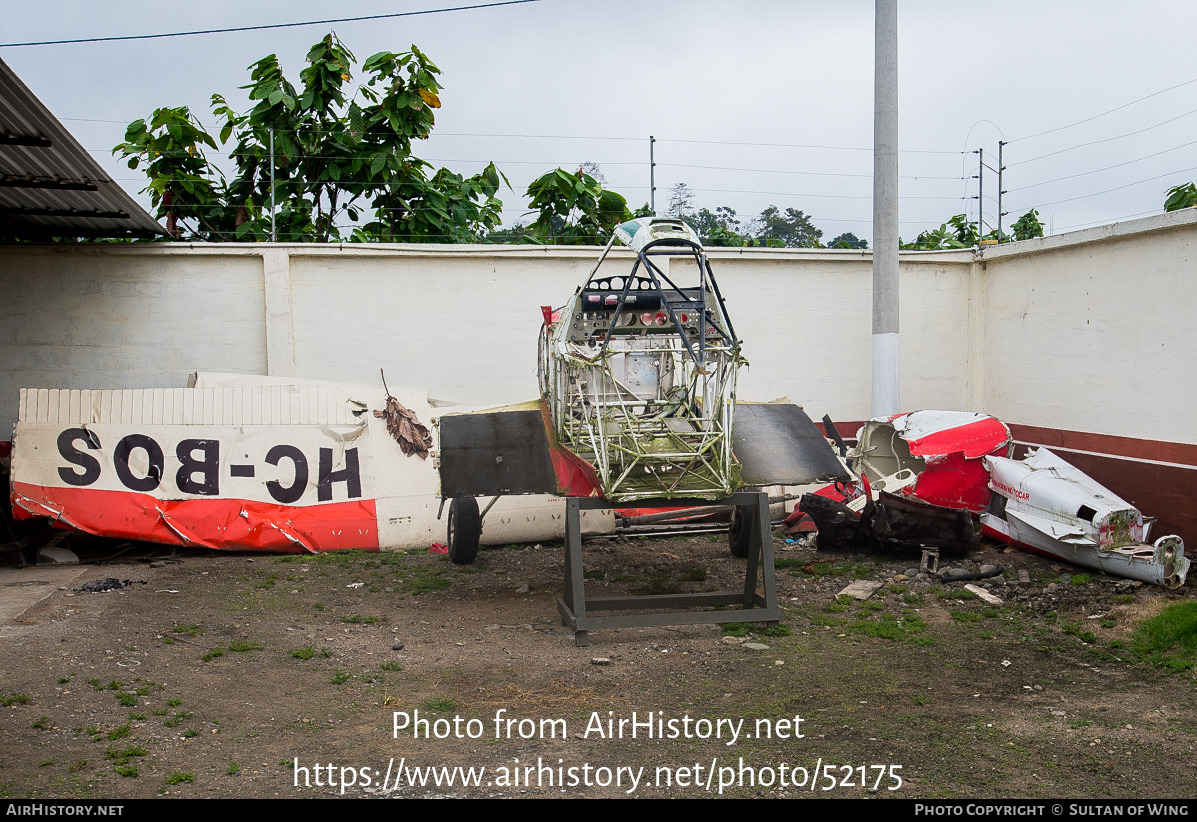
column 778, row 444
column 496, row 452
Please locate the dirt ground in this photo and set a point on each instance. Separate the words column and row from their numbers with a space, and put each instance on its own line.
column 221, row 672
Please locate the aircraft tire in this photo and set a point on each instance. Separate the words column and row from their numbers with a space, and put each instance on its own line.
column 465, row 529
column 739, row 533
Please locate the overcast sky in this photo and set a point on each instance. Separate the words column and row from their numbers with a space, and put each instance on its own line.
column 712, row 81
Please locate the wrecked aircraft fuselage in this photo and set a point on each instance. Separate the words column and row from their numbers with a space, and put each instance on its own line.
column 639, row 372
column 924, row 479
column 1047, row 506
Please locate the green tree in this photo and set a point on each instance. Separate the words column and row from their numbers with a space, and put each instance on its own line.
column 847, row 240
column 335, row 155
column 183, row 184
column 1182, row 196
column 1027, row 226
column 681, row 202
column 718, row 228
column 574, row 209
column 790, row 228
column 936, row 239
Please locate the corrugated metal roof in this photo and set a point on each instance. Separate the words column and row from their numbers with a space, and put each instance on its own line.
column 49, row 185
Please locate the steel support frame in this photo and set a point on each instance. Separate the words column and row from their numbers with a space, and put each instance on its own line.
column 576, row 609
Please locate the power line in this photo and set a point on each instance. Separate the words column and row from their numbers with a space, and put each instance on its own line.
column 1105, row 140
column 267, row 26
column 1116, row 188
column 1108, row 168
column 810, row 173
column 1116, row 219
column 1104, row 113
column 802, row 145
column 826, row 196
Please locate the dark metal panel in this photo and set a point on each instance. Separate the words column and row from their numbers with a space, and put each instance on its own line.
column 777, row 444
column 498, row 452
column 52, row 185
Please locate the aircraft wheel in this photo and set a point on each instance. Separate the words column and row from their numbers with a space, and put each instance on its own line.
column 739, row 533
column 465, row 528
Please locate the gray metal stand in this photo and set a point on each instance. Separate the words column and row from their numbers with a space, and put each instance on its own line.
column 575, row 608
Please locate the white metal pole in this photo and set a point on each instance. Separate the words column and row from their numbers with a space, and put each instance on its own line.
column 273, row 232
column 885, row 211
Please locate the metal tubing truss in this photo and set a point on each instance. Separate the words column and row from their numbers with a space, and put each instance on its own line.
column 650, row 409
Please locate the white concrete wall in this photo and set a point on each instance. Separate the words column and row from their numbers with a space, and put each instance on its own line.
column 1089, row 331
column 1095, row 331
column 86, row 317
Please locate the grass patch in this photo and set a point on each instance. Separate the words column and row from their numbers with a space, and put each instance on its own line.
column 137, row 717
column 1124, row 599
column 819, row 619
column 694, row 573
column 17, row 699
column 127, row 699
column 1073, row 629
column 119, row 733
column 1079, row 579
column 789, row 562
column 777, row 630
column 735, row 628
column 658, row 584
column 1169, row 640
column 357, row 619
column 594, row 575
column 233, row 769
column 78, row 765
column 896, row 630
column 339, row 677
column 42, row 723
column 391, row 666
column 45, row 763
column 304, row 653
column 62, row 680
column 129, row 770
column 174, row 703
column 422, row 581
column 913, row 599
column 190, row 733
column 115, row 685
column 179, row 777
column 213, row 654
column 243, row 645
column 120, row 757
column 965, row 616
column 190, row 630
column 442, row 705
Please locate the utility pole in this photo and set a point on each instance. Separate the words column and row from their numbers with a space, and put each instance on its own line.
column 1000, row 169
column 273, row 232
column 652, row 177
column 885, row 400
column 980, row 194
